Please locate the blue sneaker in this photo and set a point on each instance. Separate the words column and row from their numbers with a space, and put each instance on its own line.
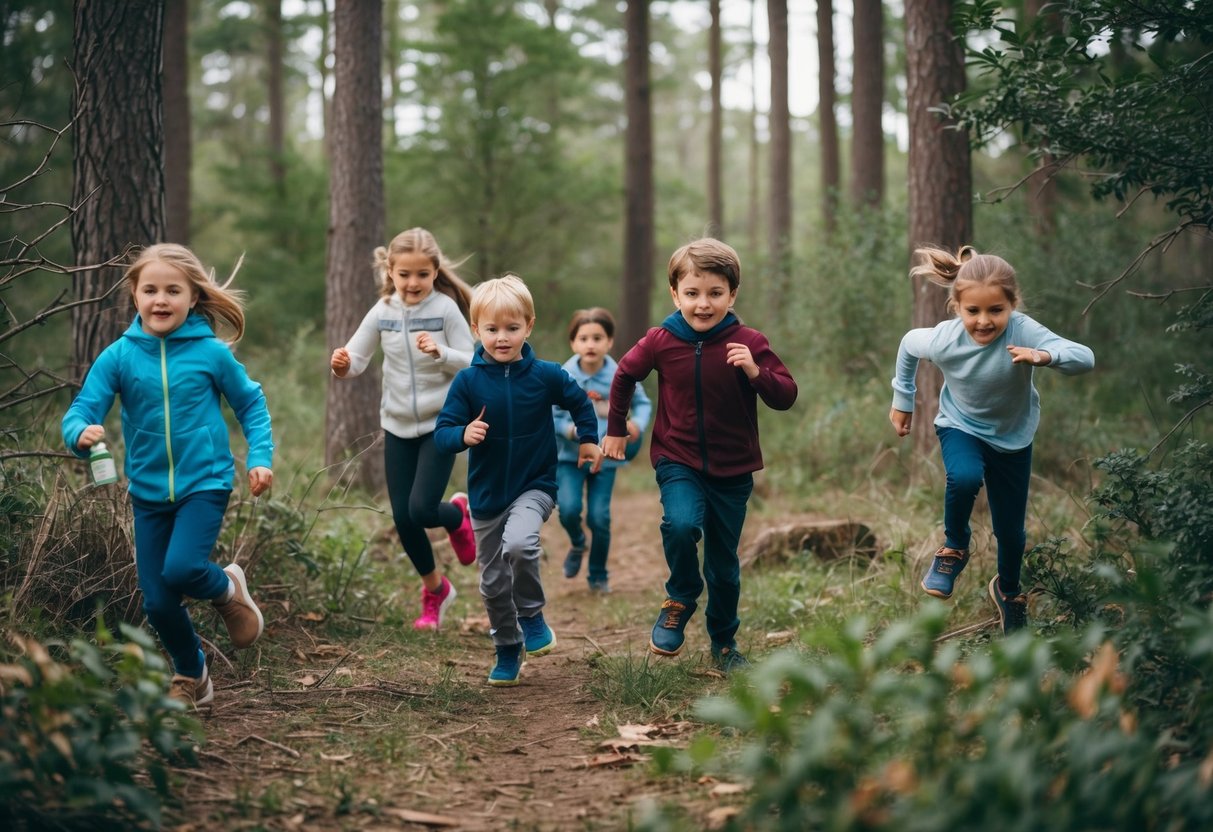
column 600, row 587
column 946, row 567
column 572, row 561
column 538, row 635
column 1012, row 610
column 667, row 636
column 508, row 668
column 728, row 659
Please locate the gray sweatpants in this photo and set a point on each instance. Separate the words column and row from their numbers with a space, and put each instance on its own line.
column 507, row 550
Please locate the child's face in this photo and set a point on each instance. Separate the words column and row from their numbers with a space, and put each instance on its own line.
column 163, row 298
column 591, row 343
column 703, row 298
column 503, row 334
column 985, row 311
column 413, row 276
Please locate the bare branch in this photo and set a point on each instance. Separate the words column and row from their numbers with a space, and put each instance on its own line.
column 41, row 317
column 1163, row 240
column 41, row 166
column 1187, row 417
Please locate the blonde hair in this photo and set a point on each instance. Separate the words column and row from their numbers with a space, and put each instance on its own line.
column 965, row 266
column 593, row 315
column 422, row 242
column 506, row 294
column 706, row 255
column 216, row 302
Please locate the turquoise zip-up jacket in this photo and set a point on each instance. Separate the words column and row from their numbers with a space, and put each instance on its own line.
column 598, row 388
column 177, row 442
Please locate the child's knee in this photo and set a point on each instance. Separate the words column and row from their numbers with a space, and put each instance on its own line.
column 182, row 577
column 965, row 480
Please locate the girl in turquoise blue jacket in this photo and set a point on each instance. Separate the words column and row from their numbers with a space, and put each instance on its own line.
column 170, row 369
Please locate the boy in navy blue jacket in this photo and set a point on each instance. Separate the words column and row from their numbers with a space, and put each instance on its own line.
column 501, row 408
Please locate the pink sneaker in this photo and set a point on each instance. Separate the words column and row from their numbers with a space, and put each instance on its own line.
column 434, row 606
column 463, row 540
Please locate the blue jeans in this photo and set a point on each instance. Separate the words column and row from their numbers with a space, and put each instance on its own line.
column 571, row 481
column 969, row 462
column 173, row 543
column 712, row 509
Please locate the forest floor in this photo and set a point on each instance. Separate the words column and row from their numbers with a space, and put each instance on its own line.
column 361, row 724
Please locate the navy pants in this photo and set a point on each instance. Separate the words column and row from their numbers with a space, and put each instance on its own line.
column 968, row 462
column 571, row 482
column 417, row 474
column 712, row 509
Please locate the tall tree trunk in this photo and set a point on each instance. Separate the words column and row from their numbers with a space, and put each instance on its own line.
column 392, row 69
column 178, row 143
column 780, row 220
column 322, row 67
column 867, row 101
column 1043, row 191
column 356, row 223
column 715, row 198
column 831, row 174
column 940, row 178
column 752, row 219
column 637, row 283
column 274, row 55
column 117, row 162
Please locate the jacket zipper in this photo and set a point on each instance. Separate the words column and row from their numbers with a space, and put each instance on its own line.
column 408, row 350
column 509, row 420
column 703, row 439
column 168, row 427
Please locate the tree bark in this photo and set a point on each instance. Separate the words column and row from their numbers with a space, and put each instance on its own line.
column 277, row 97
column 637, row 283
column 1043, row 189
column 940, row 178
column 178, row 143
column 831, row 174
column 780, row 220
column 752, row 219
column 867, row 101
column 715, row 139
column 117, row 162
column 356, row 223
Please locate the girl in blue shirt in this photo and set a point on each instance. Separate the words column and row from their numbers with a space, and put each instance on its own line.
column 988, row 411
column 170, row 370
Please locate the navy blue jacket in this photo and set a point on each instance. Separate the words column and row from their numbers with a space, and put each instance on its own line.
column 518, row 453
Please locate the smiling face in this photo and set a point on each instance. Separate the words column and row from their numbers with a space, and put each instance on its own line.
column 413, row 276
column 985, row 310
column 163, row 298
column 703, row 298
column 591, row 343
column 503, row 334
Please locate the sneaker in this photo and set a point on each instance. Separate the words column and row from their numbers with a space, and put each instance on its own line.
column 463, row 539
column 667, row 636
column 191, row 692
column 538, row 636
column 728, row 659
column 434, row 606
column 508, row 668
column 239, row 613
column 946, row 567
column 1012, row 611
column 572, row 561
column 600, row 587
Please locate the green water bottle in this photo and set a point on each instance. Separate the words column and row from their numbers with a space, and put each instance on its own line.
column 101, row 463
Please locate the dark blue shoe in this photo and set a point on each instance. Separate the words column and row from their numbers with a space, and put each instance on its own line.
column 946, row 567
column 1012, row 610
column 508, row 668
column 572, row 561
column 728, row 659
column 538, row 635
column 668, row 635
column 600, row 587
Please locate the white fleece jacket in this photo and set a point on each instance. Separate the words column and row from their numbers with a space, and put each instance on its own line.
column 414, row 383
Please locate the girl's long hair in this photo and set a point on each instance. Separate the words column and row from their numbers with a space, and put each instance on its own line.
column 216, row 302
column 944, row 268
column 421, row 241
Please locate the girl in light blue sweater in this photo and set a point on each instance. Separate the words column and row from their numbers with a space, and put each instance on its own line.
column 988, row 411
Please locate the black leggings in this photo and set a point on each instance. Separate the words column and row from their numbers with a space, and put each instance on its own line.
column 417, row 474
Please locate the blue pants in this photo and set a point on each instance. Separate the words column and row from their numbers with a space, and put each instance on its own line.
column 968, row 462
column 417, row 473
column 712, row 509
column 571, row 481
column 173, row 543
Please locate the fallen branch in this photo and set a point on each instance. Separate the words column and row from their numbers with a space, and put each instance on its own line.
column 284, row 748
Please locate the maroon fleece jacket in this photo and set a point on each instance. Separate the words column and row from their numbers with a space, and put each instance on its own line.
column 707, row 411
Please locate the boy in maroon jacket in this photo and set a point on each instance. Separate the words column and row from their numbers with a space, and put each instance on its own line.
column 711, row 370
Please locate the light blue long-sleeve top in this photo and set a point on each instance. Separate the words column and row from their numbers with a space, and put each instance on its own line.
column 598, row 388
column 984, row 394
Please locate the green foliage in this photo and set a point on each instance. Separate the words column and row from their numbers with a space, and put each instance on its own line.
column 91, row 741
column 641, row 683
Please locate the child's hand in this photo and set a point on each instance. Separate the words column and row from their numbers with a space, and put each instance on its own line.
column 475, row 432
column 613, row 447
column 901, row 421
column 633, row 431
column 739, row 356
column 90, row 436
column 428, row 345
column 591, row 453
column 340, row 362
column 259, row 480
column 1022, row 355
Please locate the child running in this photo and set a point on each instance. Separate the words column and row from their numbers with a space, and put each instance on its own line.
column 170, row 369
column 988, row 411
column 501, row 408
column 711, row 371
column 591, row 335
column 426, row 341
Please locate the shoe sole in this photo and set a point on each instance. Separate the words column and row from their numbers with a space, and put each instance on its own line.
column 661, row 652
column 234, row 572
column 937, row 593
column 544, row 650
